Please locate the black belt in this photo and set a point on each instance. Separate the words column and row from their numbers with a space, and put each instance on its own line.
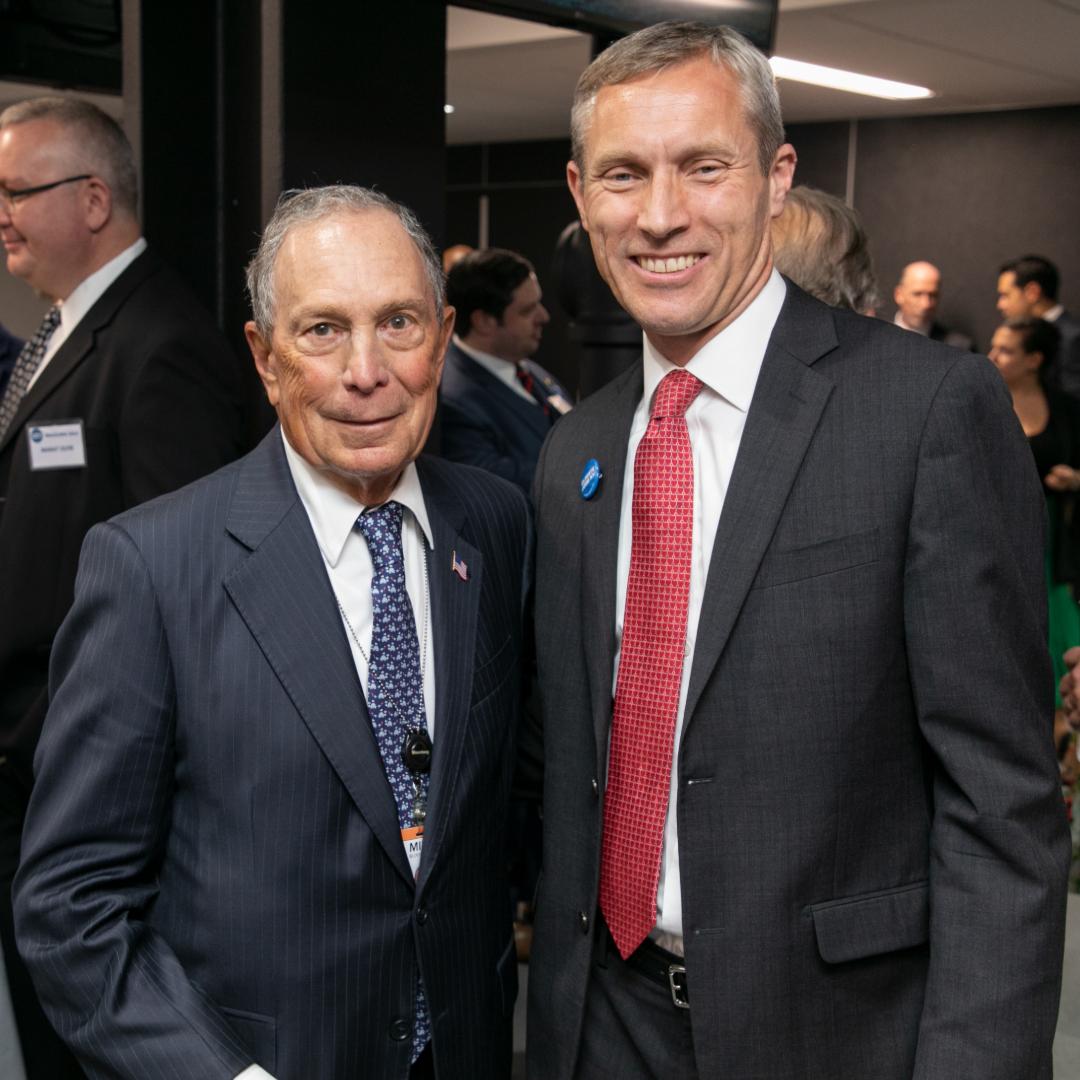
column 661, row 967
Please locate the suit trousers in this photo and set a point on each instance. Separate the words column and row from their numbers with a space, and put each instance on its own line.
column 632, row 1030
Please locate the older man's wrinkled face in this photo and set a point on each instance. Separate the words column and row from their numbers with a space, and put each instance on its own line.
column 356, row 352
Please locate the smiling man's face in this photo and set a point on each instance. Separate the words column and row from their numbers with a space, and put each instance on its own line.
column 673, row 197
column 353, row 364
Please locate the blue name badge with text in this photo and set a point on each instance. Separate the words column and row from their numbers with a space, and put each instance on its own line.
column 58, row 444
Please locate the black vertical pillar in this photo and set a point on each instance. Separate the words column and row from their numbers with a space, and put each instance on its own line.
column 197, row 118
column 363, row 89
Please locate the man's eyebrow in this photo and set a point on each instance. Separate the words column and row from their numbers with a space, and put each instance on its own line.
column 406, row 303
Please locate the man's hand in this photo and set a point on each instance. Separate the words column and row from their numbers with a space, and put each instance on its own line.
column 1070, row 687
column 1062, row 478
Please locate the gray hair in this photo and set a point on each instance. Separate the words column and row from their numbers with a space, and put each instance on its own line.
column 819, row 242
column 668, row 43
column 307, row 205
column 95, row 138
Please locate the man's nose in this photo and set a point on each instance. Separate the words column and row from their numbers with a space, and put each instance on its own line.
column 663, row 209
column 542, row 315
column 365, row 364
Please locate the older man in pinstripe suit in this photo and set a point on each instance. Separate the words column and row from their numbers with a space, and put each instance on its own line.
column 266, row 838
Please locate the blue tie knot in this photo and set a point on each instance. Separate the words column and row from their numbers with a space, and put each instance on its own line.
column 381, row 528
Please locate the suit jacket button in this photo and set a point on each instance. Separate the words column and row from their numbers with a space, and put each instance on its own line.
column 421, row 916
column 400, row 1030
column 583, row 921
column 595, row 788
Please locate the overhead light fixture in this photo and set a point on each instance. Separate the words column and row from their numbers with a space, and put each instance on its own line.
column 448, row 109
column 852, row 82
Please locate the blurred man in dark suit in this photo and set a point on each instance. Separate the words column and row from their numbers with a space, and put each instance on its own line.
column 127, row 390
column 917, row 295
column 1028, row 288
column 791, row 526
column 497, row 404
column 269, row 839
column 10, row 347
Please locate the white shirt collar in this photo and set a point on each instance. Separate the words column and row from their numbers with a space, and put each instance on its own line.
column 503, row 370
column 333, row 514
column 87, row 293
column 728, row 363
column 898, row 320
column 1054, row 313
column 489, row 360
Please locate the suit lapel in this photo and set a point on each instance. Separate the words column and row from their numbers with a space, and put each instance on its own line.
column 283, row 594
column 787, row 405
column 81, row 342
column 455, row 605
column 504, row 399
column 600, row 545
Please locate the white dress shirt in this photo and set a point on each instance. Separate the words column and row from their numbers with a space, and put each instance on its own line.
column 1054, row 313
column 83, row 297
column 728, row 366
column 348, row 562
column 503, row 370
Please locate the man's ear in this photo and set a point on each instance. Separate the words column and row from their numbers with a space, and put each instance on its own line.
column 264, row 361
column 575, row 182
column 483, row 322
column 97, row 204
column 781, row 175
column 445, row 332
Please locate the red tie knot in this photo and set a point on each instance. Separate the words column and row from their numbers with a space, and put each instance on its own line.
column 676, row 391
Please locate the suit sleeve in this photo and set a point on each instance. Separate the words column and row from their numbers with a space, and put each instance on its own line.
column 183, row 416
column 975, row 621
column 95, row 831
column 468, row 439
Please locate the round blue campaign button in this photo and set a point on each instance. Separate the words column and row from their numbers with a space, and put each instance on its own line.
column 590, row 478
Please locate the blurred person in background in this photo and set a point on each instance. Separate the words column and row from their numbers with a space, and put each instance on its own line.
column 1028, row 288
column 819, row 242
column 1023, row 349
column 916, row 296
column 127, row 390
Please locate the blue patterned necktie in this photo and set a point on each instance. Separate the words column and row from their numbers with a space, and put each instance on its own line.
column 28, row 362
column 395, row 684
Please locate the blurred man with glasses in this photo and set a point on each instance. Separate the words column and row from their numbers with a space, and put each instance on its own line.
column 127, row 390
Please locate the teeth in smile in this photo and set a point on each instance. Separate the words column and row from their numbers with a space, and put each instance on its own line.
column 666, row 266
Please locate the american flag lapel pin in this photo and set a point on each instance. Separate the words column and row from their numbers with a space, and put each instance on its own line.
column 458, row 566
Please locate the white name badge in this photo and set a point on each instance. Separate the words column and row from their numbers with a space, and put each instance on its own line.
column 413, row 839
column 59, row 445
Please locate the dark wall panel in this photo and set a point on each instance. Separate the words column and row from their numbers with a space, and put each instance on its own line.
column 822, row 150
column 968, row 192
column 363, row 99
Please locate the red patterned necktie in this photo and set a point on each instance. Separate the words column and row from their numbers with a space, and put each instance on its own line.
column 650, row 666
column 524, row 376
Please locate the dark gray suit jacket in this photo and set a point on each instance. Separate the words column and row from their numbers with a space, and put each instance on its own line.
column 213, row 874
column 872, row 844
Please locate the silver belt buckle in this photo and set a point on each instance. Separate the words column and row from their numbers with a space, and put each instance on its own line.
column 676, row 977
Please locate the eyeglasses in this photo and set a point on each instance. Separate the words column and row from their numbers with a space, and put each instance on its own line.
column 9, row 198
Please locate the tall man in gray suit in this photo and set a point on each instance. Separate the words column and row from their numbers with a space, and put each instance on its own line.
column 267, row 832
column 817, row 835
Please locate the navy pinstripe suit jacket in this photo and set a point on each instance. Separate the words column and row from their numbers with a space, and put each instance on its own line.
column 212, row 870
